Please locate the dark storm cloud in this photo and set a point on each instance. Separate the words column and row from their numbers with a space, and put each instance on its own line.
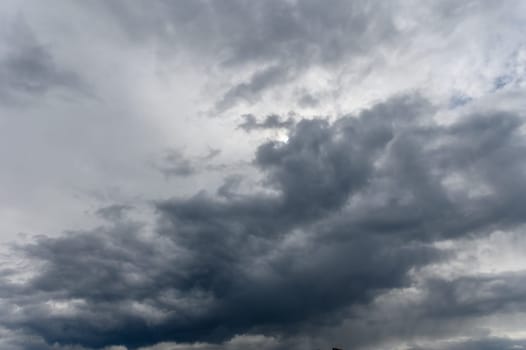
column 27, row 68
column 272, row 121
column 110, row 269
column 348, row 209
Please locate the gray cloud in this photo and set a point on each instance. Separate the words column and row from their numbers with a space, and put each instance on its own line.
column 308, row 100
column 448, row 309
column 272, row 121
column 174, row 163
column 283, row 37
column 476, row 296
column 27, row 68
column 243, row 31
column 349, row 208
column 398, row 225
column 488, row 343
column 251, row 90
column 113, row 212
column 212, row 153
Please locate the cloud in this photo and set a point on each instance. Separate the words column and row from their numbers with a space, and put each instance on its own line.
column 260, row 51
column 27, row 67
column 174, row 163
column 251, row 90
column 113, row 212
column 489, row 343
column 349, row 208
column 472, row 296
column 212, row 153
column 390, row 222
column 276, row 41
column 291, row 31
column 272, row 121
column 308, row 100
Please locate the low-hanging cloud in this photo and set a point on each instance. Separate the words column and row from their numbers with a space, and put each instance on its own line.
column 348, row 208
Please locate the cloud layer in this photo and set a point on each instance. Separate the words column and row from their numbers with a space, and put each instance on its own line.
column 346, row 211
column 262, row 175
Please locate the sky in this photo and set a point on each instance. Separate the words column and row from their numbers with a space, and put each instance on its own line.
column 262, row 175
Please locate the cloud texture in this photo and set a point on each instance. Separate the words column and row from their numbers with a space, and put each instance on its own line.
column 263, row 175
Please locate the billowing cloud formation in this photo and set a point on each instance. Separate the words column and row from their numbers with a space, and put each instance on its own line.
column 370, row 196
column 348, row 209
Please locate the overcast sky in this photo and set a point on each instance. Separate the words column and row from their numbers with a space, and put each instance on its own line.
column 262, row 175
